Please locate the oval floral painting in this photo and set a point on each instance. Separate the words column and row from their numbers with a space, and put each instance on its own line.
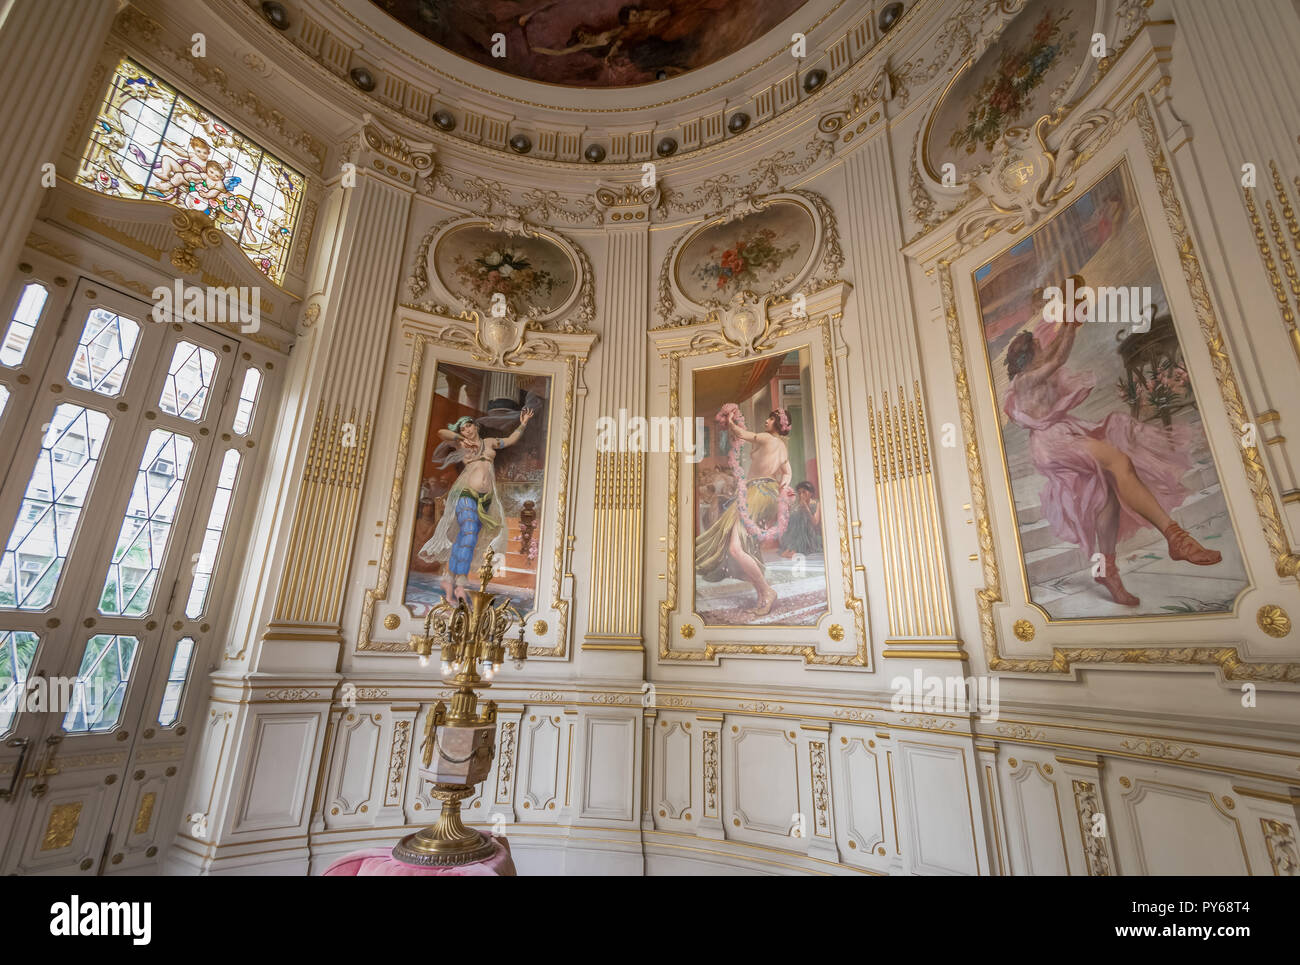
column 764, row 252
column 535, row 275
column 1017, row 80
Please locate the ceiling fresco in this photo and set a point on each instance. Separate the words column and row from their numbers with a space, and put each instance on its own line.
column 592, row 43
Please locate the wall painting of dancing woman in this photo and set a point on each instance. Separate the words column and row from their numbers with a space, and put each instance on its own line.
column 1119, row 506
column 759, row 549
column 482, row 484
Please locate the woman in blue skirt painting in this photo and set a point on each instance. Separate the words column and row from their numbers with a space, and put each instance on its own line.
column 472, row 521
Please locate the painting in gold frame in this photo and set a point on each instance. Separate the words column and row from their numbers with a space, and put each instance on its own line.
column 759, row 549
column 1119, row 506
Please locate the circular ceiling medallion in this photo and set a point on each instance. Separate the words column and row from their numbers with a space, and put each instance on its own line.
column 592, row 43
column 765, row 252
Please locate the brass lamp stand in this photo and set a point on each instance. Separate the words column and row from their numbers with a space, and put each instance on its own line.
column 459, row 742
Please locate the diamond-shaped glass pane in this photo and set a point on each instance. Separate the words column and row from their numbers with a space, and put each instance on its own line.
column 4, row 399
column 212, row 535
column 19, row 333
column 51, row 507
column 100, row 688
column 17, row 651
column 142, row 541
column 104, row 352
column 189, row 381
column 247, row 401
column 176, row 678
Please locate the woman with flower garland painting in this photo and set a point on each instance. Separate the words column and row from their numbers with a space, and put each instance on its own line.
column 731, row 546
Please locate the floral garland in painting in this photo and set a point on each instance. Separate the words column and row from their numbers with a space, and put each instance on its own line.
column 738, row 472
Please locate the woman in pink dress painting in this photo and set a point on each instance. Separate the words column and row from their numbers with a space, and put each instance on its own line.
column 1102, row 480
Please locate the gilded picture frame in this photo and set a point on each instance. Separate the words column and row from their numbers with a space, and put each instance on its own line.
column 840, row 637
column 434, row 338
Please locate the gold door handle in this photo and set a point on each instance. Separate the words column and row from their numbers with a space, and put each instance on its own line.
column 24, row 743
column 46, row 767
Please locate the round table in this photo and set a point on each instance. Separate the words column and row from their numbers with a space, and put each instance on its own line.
column 379, row 862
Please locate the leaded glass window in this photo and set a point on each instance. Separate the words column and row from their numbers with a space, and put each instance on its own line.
column 142, row 541
column 17, row 651
column 207, row 560
column 100, row 688
column 177, row 675
column 151, row 142
column 18, row 334
column 104, row 352
column 247, row 400
column 189, row 378
column 51, row 507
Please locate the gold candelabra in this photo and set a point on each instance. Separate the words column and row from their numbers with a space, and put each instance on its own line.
column 459, row 742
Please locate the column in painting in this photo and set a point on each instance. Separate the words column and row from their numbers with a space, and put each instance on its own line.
column 914, row 562
column 618, row 542
column 45, row 64
column 271, row 699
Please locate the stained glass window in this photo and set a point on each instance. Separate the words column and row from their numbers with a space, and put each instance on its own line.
column 151, row 142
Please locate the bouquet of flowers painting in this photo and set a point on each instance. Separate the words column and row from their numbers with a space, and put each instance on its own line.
column 482, row 483
column 759, row 553
column 1119, row 506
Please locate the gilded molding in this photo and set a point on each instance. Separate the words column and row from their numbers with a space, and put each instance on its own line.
column 819, row 771
column 398, row 753
column 1087, row 803
column 852, row 602
column 446, row 335
column 62, row 826
column 1227, row 659
column 1286, row 307
column 1283, row 854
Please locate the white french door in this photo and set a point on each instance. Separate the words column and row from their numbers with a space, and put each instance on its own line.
column 128, row 446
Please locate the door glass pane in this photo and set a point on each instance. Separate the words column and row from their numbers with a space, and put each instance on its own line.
column 104, row 352
column 176, row 677
column 212, row 535
column 100, row 688
column 17, row 650
column 142, row 541
column 4, row 399
column 247, row 400
column 189, row 380
column 47, row 519
column 19, row 333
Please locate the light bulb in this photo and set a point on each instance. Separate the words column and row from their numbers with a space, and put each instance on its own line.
column 446, row 668
column 424, row 661
column 519, row 665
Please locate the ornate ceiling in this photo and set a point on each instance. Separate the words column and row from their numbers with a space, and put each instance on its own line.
column 592, row 43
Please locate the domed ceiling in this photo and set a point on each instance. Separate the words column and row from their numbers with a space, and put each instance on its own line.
column 593, row 43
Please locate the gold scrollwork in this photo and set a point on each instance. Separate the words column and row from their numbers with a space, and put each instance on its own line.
column 852, row 602
column 1287, row 563
column 420, row 341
